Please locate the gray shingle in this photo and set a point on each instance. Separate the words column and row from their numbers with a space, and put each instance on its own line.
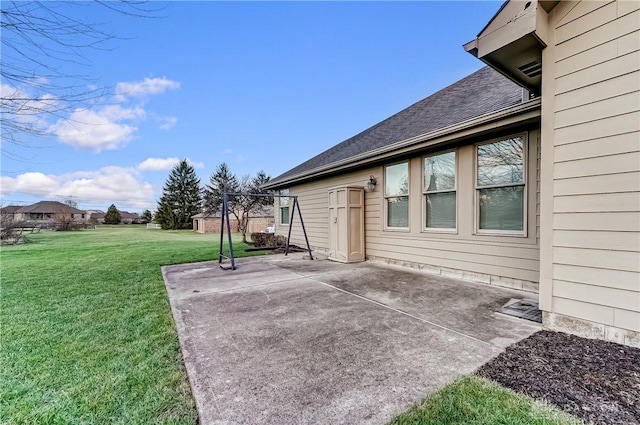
column 49, row 207
column 480, row 93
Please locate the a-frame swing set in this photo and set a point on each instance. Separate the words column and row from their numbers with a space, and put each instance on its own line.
column 225, row 225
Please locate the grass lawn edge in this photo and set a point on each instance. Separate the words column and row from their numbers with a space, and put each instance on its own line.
column 474, row 400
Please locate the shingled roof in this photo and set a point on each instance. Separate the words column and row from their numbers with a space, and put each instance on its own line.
column 10, row 209
column 478, row 94
column 49, row 207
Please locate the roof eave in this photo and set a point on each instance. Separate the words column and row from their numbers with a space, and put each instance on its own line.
column 513, row 40
column 525, row 111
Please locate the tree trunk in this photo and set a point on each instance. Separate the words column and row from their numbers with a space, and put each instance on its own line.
column 243, row 224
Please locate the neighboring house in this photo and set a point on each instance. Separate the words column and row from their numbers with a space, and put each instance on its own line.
column 125, row 217
column 259, row 221
column 92, row 214
column 49, row 214
column 8, row 213
column 130, row 218
column 524, row 174
column 97, row 217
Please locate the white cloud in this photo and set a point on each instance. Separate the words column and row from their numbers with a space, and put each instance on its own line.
column 195, row 164
column 164, row 164
column 158, row 164
column 24, row 107
column 98, row 129
column 145, row 87
column 118, row 185
column 33, row 183
column 167, row 122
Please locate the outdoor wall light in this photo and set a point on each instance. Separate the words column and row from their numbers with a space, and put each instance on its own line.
column 371, row 184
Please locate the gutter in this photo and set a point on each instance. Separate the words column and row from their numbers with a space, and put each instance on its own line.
column 371, row 156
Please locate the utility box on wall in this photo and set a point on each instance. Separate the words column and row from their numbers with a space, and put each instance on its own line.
column 346, row 224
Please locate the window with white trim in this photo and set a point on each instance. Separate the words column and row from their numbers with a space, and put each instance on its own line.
column 500, row 186
column 396, row 193
column 439, row 189
column 284, row 206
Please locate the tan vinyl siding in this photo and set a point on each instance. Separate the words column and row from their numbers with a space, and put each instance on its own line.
column 598, row 184
column 617, row 241
column 599, row 129
column 487, row 258
column 593, row 74
column 598, row 166
column 594, row 112
column 619, row 105
column 584, row 310
column 598, row 258
column 593, row 148
column 626, row 300
column 607, row 221
column 314, row 205
column 588, row 36
column 590, row 275
column 577, row 9
column 626, row 319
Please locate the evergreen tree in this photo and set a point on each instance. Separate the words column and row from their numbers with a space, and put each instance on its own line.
column 180, row 198
column 112, row 216
column 240, row 206
column 146, row 216
column 220, row 182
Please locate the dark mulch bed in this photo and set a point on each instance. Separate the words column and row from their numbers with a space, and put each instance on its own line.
column 594, row 380
column 292, row 248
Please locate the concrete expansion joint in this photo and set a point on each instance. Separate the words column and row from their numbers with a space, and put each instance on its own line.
column 222, row 291
column 407, row 314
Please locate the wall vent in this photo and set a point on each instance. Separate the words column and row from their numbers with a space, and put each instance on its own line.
column 531, row 69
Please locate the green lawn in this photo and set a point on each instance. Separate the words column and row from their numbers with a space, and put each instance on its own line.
column 87, row 335
column 478, row 401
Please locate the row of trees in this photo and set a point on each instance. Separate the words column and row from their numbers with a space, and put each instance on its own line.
column 113, row 216
column 183, row 197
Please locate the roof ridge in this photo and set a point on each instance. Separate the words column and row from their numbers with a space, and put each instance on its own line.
column 482, row 92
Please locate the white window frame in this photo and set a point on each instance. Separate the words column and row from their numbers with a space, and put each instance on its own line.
column 425, row 192
column 284, row 192
column 385, row 198
column 525, row 203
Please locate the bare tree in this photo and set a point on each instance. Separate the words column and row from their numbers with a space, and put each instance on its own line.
column 242, row 205
column 39, row 41
column 10, row 228
column 63, row 222
column 71, row 202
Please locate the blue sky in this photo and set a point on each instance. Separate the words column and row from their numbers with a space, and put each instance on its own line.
column 261, row 85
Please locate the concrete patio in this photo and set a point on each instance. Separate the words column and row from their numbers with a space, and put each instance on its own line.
column 284, row 340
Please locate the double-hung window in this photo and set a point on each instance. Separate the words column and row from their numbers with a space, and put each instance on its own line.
column 440, row 191
column 396, row 193
column 500, row 186
column 284, row 206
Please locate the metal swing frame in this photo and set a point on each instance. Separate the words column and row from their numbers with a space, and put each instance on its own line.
column 225, row 220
